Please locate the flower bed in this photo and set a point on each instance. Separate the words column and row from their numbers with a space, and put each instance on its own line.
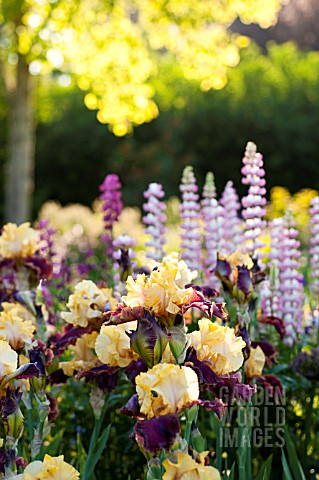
column 157, row 364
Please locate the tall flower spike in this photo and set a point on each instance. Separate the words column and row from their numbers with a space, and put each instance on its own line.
column 213, row 222
column 291, row 282
column 190, row 220
column 154, row 220
column 314, row 248
column 233, row 233
column 112, row 206
column 209, row 189
column 270, row 293
column 254, row 203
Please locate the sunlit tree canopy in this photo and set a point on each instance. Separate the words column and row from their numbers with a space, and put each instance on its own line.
column 115, row 48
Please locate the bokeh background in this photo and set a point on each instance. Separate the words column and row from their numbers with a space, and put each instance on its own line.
column 261, row 84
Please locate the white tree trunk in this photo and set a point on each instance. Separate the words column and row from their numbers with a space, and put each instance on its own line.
column 19, row 181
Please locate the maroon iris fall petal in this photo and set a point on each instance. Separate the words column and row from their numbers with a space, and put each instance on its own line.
column 123, row 314
column 270, row 351
column 223, row 268
column 132, row 408
column 28, row 370
column 210, row 309
column 158, row 433
column 244, row 280
column 40, row 264
column 58, row 377
column 276, row 322
column 134, row 369
column 11, row 402
column 105, row 377
column 69, row 335
column 206, row 290
column 217, row 406
column 272, row 385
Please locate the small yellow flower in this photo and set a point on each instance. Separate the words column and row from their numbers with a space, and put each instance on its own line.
column 85, row 304
column 163, row 291
column 181, row 466
column 15, row 330
column 218, row 346
column 84, row 357
column 113, row 344
column 255, row 363
column 18, row 241
column 176, row 388
column 52, row 468
column 8, row 359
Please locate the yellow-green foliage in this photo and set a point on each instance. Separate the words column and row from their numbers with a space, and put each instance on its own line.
column 282, row 201
column 113, row 48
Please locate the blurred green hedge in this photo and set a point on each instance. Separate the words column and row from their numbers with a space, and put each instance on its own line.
column 270, row 99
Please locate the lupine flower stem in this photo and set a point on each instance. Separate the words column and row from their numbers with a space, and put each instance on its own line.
column 314, row 248
column 112, row 206
column 154, row 219
column 190, row 220
column 254, row 203
column 232, row 230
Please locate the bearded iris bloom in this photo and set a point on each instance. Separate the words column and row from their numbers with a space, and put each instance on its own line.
column 18, row 241
column 162, row 292
column 86, row 304
column 83, row 355
column 52, row 468
column 166, row 389
column 113, row 344
column 181, row 466
column 235, row 273
column 15, row 330
column 217, row 346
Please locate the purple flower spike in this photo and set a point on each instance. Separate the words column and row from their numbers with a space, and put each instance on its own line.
column 254, row 203
column 111, row 198
column 291, row 282
column 154, row 220
column 209, row 189
column 233, row 233
column 283, row 294
column 270, row 294
column 190, row 220
column 213, row 221
column 314, row 246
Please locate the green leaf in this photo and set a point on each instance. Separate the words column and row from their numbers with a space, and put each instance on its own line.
column 285, row 466
column 92, row 459
column 81, row 455
column 293, row 461
column 231, row 475
column 264, row 473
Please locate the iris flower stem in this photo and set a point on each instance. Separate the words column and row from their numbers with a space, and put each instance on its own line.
column 188, row 431
column 30, row 417
column 98, row 422
column 191, row 416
